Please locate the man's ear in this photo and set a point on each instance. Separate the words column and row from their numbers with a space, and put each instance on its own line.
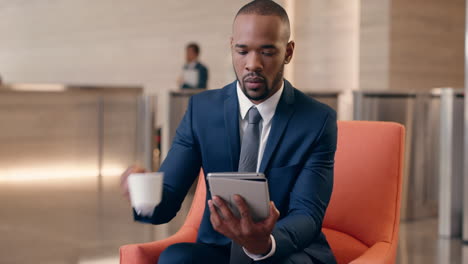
column 289, row 51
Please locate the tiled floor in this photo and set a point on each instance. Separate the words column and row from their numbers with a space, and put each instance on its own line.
column 419, row 244
column 71, row 222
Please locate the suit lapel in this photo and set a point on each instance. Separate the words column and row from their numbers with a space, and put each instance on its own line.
column 279, row 123
column 231, row 121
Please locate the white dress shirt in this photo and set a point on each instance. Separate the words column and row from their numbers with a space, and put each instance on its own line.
column 267, row 110
column 190, row 74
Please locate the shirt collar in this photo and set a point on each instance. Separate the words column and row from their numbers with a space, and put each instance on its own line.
column 266, row 108
column 192, row 64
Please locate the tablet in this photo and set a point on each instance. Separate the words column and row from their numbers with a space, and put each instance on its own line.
column 253, row 187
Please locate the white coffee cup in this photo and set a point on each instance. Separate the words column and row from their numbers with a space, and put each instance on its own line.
column 145, row 191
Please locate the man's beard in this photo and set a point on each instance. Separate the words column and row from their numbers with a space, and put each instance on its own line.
column 267, row 90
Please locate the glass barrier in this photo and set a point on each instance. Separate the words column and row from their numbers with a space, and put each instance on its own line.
column 420, row 114
column 327, row 97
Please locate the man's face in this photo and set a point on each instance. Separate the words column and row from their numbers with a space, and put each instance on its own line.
column 260, row 48
column 191, row 54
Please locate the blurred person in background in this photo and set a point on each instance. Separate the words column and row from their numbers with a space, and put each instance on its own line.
column 195, row 74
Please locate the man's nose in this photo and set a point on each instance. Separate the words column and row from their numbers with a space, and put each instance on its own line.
column 254, row 62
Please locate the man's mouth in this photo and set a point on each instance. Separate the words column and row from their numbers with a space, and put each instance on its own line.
column 254, row 83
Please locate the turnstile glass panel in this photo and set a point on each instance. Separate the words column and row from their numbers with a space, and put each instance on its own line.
column 419, row 113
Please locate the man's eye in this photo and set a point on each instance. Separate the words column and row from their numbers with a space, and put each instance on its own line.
column 242, row 52
column 268, row 53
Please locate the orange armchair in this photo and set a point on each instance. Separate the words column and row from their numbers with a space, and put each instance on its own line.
column 362, row 220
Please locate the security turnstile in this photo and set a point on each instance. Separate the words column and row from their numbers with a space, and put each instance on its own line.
column 327, row 97
column 420, row 114
column 177, row 105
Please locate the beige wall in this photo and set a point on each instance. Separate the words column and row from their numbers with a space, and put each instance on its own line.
column 112, row 41
column 327, row 39
column 427, row 44
column 411, row 45
column 327, row 48
column 374, row 45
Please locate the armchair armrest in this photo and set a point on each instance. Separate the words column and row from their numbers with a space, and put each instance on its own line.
column 379, row 253
column 148, row 253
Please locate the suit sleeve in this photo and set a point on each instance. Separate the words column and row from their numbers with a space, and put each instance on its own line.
column 309, row 197
column 202, row 77
column 181, row 167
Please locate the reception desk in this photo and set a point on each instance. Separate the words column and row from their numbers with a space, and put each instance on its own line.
column 62, row 150
column 53, row 130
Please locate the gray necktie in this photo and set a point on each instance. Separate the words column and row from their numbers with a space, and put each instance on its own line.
column 247, row 163
column 250, row 142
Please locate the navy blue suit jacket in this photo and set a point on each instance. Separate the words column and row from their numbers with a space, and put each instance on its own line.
column 298, row 162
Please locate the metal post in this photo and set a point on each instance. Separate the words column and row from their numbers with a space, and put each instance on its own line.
column 465, row 184
column 357, row 105
column 145, row 140
column 100, row 184
column 148, row 131
column 450, row 177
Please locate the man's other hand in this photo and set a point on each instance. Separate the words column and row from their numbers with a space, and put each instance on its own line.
column 124, row 179
column 254, row 237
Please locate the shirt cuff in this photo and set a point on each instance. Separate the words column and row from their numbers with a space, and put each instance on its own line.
column 257, row 257
column 144, row 210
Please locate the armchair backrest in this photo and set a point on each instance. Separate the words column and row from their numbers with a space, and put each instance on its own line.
column 365, row 203
column 198, row 204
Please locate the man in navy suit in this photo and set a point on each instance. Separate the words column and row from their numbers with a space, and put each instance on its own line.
column 195, row 74
column 296, row 148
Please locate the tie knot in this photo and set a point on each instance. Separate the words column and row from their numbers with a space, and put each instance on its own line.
column 253, row 115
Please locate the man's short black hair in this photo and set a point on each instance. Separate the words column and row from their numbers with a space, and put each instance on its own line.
column 265, row 8
column 194, row 46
